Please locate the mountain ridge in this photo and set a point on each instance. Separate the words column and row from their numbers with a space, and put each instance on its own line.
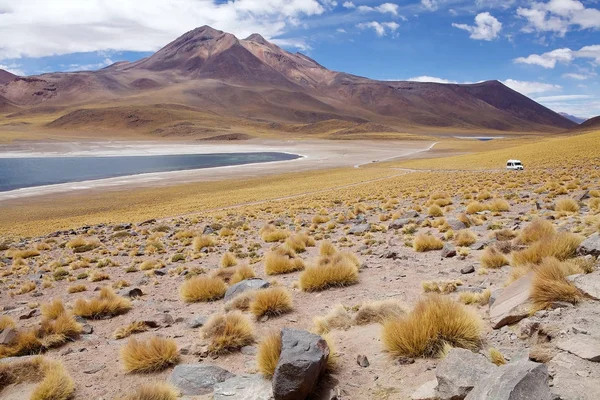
column 253, row 79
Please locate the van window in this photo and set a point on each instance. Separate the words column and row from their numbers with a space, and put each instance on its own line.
column 517, row 163
column 509, row 164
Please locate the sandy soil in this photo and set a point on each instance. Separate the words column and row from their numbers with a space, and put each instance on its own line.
column 315, row 155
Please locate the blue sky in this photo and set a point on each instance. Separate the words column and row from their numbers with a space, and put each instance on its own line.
column 546, row 49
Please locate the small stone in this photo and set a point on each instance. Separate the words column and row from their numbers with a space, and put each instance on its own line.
column 247, row 284
column 363, row 361
column 8, row 336
column 359, row 229
column 197, row 321
column 448, row 251
column 467, row 270
column 93, row 368
column 249, row 350
column 87, row 329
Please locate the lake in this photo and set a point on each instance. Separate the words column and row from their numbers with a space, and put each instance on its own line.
column 16, row 173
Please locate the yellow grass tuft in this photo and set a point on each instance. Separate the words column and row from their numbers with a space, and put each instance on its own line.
column 241, row 273
column 338, row 318
column 465, row 237
column 77, row 288
column 6, row 322
column 21, row 254
column 378, row 312
column 152, row 355
column 108, row 303
column 338, row 270
column 566, row 205
column 474, row 207
column 53, row 309
column 551, row 285
column 536, row 230
column 126, row 331
column 272, row 302
column 561, row 245
column 435, row 211
column 228, row 260
column 327, row 249
column 228, row 332
column 56, row 384
column 153, row 391
column 203, row 241
column 282, row 261
column 97, row 276
column 482, row 298
column 497, row 205
column 492, row 258
column 270, row 233
column 434, row 322
column 496, row 357
column 427, row 242
column 267, row 357
column 444, row 287
column 299, row 242
column 202, row 288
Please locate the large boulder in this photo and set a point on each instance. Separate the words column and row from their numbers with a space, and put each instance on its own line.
column 583, row 346
column 588, row 284
column 569, row 383
column 248, row 284
column 459, row 372
column 244, row 387
column 302, row 360
column 520, row 380
column 198, row 379
column 591, row 245
column 513, row 304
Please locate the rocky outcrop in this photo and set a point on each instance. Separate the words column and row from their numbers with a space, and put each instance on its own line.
column 513, row 304
column 588, row 284
column 459, row 372
column 302, row 361
column 244, row 387
column 198, row 379
column 241, row 287
column 591, row 246
column 583, row 346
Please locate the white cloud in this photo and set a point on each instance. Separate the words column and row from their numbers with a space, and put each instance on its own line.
column 36, row 28
column 565, row 55
column 380, row 28
column 581, row 105
column 425, row 78
column 486, row 27
column 559, row 16
column 430, row 4
column 382, row 8
column 349, row 4
column 564, row 97
column 300, row 44
column 527, row 87
column 13, row 69
column 579, row 77
column 340, row 30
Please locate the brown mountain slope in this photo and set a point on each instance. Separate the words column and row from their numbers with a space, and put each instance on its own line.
column 588, row 125
column 6, row 77
column 253, row 79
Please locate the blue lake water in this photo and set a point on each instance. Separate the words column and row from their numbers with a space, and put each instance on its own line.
column 16, row 173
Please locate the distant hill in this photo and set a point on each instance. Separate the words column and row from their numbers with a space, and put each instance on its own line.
column 210, row 71
column 6, row 77
column 588, row 125
column 573, row 118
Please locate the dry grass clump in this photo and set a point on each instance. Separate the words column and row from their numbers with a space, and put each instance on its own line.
column 299, row 242
column 426, row 242
column 338, row 318
column 26, row 287
column 81, row 245
column 465, row 237
column 77, row 288
column 153, row 391
column 107, row 304
column 550, row 284
column 536, row 230
column 203, row 241
column 228, row 260
column 331, row 270
column 241, row 273
column 378, row 312
column 267, row 357
column 482, row 298
column 444, row 287
column 566, row 205
column 270, row 233
column 282, row 260
column 435, row 322
column 202, row 288
column 271, row 302
column 53, row 381
column 474, row 207
column 97, row 276
column 228, row 332
column 22, row 254
column 497, row 205
column 435, row 211
column 492, row 258
column 152, row 355
column 53, row 310
column 241, row 301
column 496, row 357
column 6, row 322
column 561, row 245
column 126, row 331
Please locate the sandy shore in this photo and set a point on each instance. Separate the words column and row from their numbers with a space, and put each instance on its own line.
column 315, row 155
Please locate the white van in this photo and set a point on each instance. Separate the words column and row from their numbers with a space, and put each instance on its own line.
column 514, row 165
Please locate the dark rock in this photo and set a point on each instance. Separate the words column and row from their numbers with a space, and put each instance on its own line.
column 87, row 329
column 208, row 230
column 197, row 321
column 132, row 293
column 302, row 361
column 520, row 380
column 198, row 379
column 590, row 246
column 456, row 225
column 248, row 284
column 360, row 229
column 30, row 314
column 398, row 223
column 448, row 251
column 467, row 270
column 363, row 361
column 389, row 255
column 459, row 372
column 160, row 271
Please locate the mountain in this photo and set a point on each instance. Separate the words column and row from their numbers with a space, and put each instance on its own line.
column 573, row 118
column 6, row 77
column 588, row 125
column 207, row 74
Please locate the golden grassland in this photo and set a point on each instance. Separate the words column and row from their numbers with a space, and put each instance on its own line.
column 42, row 215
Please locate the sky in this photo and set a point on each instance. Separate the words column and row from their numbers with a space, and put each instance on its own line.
column 548, row 50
